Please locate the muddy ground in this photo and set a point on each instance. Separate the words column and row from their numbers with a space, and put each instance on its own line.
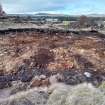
column 37, row 57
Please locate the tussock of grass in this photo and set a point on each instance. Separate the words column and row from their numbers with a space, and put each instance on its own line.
column 83, row 94
column 60, row 94
column 29, row 97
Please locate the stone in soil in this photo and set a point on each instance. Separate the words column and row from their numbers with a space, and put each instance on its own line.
column 37, row 82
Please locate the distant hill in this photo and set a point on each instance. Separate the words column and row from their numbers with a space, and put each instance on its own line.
column 48, row 14
column 96, row 15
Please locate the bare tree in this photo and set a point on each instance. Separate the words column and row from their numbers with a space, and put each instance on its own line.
column 83, row 21
column 2, row 13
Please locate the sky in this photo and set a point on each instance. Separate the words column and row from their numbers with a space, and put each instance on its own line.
column 70, row 7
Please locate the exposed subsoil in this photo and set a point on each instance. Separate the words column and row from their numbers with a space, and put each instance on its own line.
column 34, row 57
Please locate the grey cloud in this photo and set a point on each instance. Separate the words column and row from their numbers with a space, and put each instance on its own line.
column 34, row 5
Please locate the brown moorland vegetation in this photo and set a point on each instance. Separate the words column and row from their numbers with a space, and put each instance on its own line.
column 23, row 55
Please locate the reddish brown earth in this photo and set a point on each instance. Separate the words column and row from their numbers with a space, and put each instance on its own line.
column 41, row 53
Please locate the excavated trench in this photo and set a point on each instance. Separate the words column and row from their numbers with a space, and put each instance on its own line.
column 33, row 56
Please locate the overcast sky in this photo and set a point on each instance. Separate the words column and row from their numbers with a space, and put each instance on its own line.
column 71, row 7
